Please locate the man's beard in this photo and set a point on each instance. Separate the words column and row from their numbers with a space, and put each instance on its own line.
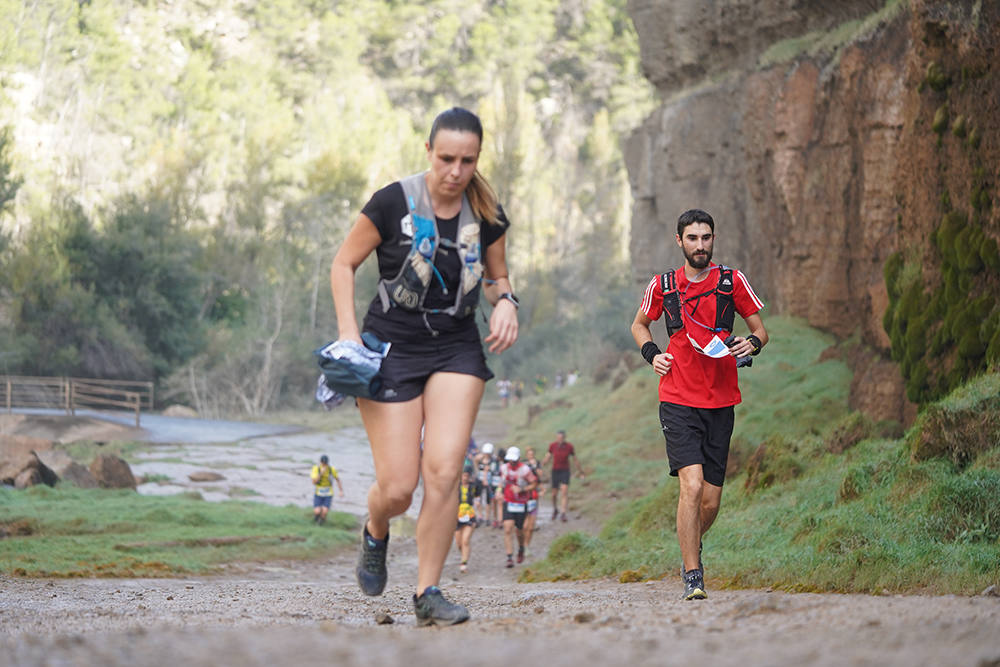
column 699, row 261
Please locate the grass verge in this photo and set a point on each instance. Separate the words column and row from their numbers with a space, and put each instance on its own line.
column 70, row 532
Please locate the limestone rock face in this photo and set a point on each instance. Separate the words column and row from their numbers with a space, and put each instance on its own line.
column 684, row 42
column 112, row 472
column 815, row 170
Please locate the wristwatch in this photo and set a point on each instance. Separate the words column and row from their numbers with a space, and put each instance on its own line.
column 510, row 297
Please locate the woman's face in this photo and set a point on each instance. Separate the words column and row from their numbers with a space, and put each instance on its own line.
column 453, row 159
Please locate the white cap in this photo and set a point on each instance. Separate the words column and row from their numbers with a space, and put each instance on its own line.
column 513, row 454
column 488, row 448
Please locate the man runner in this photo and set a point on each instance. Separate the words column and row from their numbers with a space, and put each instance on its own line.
column 559, row 453
column 518, row 483
column 323, row 476
column 698, row 385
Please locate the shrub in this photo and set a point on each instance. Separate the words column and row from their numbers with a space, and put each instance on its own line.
column 960, row 427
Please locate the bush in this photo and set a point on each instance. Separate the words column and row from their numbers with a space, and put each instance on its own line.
column 960, row 427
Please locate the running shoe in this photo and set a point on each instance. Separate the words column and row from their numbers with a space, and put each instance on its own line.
column 510, row 561
column 371, row 570
column 555, row 514
column 564, row 517
column 694, row 585
column 432, row 608
column 463, row 568
column 520, row 554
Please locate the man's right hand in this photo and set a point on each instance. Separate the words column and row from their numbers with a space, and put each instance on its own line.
column 662, row 363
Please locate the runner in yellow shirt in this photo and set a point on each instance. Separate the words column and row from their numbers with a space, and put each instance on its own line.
column 323, row 476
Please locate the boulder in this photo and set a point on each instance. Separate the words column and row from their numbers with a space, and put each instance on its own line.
column 205, row 476
column 112, row 472
column 66, row 469
column 27, row 477
column 180, row 411
column 26, row 470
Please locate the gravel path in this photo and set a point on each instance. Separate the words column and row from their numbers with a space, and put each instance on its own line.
column 311, row 613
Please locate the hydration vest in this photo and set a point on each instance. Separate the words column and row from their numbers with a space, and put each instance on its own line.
column 725, row 308
column 410, row 286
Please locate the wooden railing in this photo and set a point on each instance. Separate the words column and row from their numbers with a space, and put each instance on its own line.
column 72, row 394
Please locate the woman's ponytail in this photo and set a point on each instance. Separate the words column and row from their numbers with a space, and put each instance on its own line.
column 482, row 199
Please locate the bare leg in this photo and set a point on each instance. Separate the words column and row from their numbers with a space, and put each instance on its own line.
column 711, row 497
column 529, row 527
column 508, row 536
column 450, row 404
column 394, row 433
column 689, row 514
column 563, row 497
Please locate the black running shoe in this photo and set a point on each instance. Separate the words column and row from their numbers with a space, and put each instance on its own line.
column 510, row 561
column 432, row 608
column 371, row 564
column 694, row 585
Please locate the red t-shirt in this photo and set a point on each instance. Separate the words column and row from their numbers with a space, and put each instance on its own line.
column 695, row 379
column 560, row 455
column 516, row 476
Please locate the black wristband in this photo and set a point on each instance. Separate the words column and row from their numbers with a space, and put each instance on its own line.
column 757, row 345
column 650, row 350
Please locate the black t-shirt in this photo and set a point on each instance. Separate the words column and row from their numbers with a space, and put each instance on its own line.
column 386, row 208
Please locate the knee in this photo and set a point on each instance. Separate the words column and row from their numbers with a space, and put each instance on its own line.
column 441, row 480
column 396, row 495
column 691, row 489
column 709, row 505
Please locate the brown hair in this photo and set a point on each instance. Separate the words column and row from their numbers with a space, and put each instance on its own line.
column 482, row 198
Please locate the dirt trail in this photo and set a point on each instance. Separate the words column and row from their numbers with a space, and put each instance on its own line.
column 311, row 613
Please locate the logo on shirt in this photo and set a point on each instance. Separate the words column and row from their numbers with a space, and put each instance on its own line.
column 406, row 225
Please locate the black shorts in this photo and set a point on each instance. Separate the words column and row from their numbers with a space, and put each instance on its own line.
column 560, row 477
column 516, row 516
column 409, row 364
column 697, row 436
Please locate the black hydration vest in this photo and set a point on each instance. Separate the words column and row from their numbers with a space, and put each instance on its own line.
column 725, row 308
column 409, row 288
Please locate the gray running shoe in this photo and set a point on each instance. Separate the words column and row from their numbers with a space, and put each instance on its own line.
column 432, row 608
column 371, row 570
column 694, row 585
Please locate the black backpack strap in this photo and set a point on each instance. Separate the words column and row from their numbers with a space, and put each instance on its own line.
column 725, row 306
column 671, row 303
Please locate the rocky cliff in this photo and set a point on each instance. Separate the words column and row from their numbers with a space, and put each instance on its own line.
column 815, row 138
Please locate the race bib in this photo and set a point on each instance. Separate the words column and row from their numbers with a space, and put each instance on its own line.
column 532, row 505
column 515, row 508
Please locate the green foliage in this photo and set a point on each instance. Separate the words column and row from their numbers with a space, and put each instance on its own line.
column 70, row 532
column 252, row 134
column 9, row 183
column 940, row 122
column 958, row 127
column 116, row 302
column 941, row 332
column 937, row 78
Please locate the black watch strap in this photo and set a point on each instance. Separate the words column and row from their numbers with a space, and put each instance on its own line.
column 510, row 297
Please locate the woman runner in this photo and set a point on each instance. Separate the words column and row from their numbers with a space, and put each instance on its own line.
column 435, row 235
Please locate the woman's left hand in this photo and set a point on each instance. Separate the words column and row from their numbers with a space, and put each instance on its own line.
column 503, row 326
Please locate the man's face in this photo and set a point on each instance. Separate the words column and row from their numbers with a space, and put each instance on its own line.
column 696, row 244
column 560, row 437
